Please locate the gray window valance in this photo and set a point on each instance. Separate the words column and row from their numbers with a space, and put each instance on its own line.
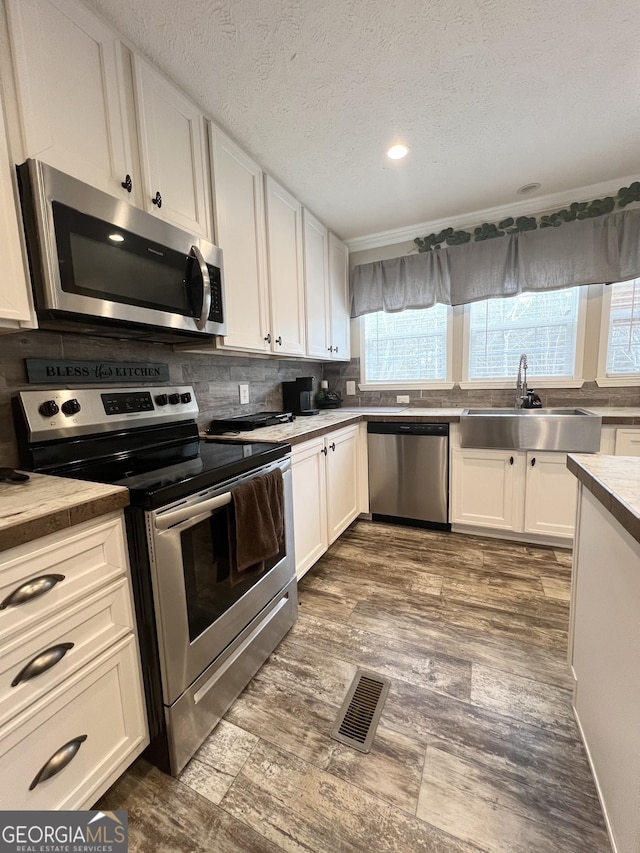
column 588, row 251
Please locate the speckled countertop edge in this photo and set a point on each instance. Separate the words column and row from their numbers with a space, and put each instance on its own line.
column 315, row 426
column 47, row 504
column 614, row 481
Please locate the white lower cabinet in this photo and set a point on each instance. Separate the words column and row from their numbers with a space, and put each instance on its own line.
column 309, row 482
column 326, row 496
column 551, row 495
column 72, row 711
column 486, row 488
column 86, row 732
column 523, row 492
column 627, row 442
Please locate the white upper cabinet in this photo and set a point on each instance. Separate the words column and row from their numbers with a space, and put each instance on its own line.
column 240, row 232
column 70, row 91
column 284, row 259
column 172, row 140
column 16, row 311
column 316, row 286
column 339, row 299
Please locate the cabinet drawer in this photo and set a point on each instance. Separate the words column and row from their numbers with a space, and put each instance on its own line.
column 99, row 711
column 90, row 556
column 62, row 645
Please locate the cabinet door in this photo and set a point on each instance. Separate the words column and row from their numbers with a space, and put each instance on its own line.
column 70, row 91
column 15, row 288
column 551, row 495
column 240, row 233
column 488, row 488
column 101, row 709
column 339, row 297
column 284, row 257
column 342, row 480
column 172, row 145
column 316, row 286
column 309, row 503
column 627, row 442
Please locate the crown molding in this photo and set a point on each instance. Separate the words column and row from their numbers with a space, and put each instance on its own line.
column 537, row 205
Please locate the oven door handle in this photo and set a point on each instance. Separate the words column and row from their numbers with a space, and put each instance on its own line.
column 188, row 513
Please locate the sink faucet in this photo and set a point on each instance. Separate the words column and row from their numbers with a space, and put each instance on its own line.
column 521, row 382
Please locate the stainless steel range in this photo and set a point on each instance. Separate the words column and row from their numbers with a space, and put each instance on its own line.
column 205, row 626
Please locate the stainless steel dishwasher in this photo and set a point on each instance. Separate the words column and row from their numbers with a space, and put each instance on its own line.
column 409, row 473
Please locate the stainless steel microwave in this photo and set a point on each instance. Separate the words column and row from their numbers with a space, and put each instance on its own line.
column 101, row 266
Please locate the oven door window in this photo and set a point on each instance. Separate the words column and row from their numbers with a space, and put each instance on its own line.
column 211, row 583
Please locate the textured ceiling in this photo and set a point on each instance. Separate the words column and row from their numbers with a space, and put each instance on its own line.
column 488, row 94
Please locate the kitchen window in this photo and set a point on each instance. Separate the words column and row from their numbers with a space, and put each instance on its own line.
column 619, row 353
column 407, row 349
column 548, row 326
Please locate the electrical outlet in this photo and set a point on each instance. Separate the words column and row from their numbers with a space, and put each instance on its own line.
column 244, row 393
column 351, row 388
column 402, row 398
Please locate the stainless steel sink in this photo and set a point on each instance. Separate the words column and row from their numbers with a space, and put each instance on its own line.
column 568, row 430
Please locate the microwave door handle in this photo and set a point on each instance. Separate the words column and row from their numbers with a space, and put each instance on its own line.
column 201, row 322
column 188, row 513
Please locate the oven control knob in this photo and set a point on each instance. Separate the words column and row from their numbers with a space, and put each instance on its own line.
column 185, row 398
column 174, row 399
column 162, row 399
column 71, row 407
column 49, row 408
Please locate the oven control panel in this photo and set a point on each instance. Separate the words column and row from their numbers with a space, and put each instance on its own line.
column 124, row 403
column 64, row 413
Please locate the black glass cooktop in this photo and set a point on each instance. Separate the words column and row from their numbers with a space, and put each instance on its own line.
column 156, row 476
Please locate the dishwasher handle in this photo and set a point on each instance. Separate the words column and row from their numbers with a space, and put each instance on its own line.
column 407, row 428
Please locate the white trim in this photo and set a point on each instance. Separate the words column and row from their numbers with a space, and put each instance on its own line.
column 406, row 386
column 626, row 379
column 537, row 205
column 603, row 379
column 575, row 381
column 535, row 382
column 513, row 536
column 603, row 343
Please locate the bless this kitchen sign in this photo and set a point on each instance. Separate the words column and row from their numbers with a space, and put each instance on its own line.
column 53, row 371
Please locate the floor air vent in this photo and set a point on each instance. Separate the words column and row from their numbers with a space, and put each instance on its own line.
column 358, row 717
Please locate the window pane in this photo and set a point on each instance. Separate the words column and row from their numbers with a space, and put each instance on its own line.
column 623, row 348
column 410, row 346
column 542, row 325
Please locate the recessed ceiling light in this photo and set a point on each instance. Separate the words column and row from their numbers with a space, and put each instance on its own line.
column 117, row 238
column 397, row 152
column 529, row 188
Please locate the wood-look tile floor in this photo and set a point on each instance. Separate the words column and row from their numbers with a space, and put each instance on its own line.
column 477, row 748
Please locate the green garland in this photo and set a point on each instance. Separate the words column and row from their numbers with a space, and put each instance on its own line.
column 488, row 230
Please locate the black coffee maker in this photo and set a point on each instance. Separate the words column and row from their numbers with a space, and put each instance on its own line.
column 297, row 396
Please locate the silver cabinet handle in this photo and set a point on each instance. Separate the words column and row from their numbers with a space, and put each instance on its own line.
column 335, row 349
column 206, row 288
column 42, row 662
column 31, row 589
column 58, row 760
column 330, row 349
